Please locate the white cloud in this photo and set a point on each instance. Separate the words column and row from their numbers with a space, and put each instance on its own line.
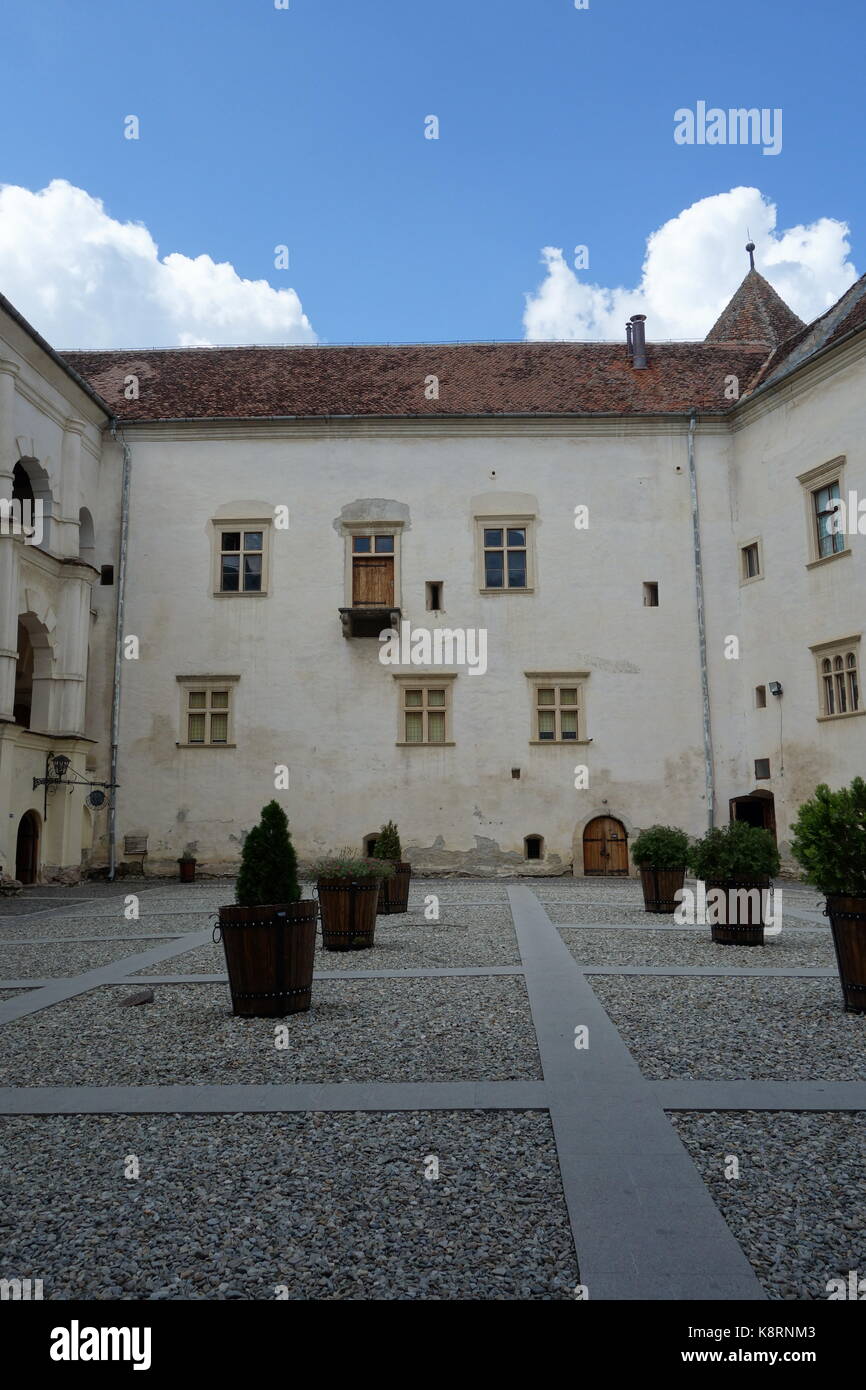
column 693, row 265
column 86, row 280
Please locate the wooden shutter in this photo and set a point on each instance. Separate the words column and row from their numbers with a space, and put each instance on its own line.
column 373, row 581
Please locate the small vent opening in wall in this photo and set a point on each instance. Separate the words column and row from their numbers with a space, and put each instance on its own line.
column 651, row 594
column 760, row 697
column 434, row 595
column 533, row 847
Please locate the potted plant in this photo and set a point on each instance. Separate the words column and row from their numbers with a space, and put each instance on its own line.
column 269, row 934
column 186, row 865
column 348, row 888
column 394, row 896
column 829, row 843
column 736, row 865
column 661, row 853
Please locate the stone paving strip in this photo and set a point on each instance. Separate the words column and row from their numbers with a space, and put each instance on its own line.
column 60, row 990
column 273, row 1098
column 710, row 1029
column 63, row 959
column 798, row 1204
column 456, row 1029
column 329, row 1206
column 608, row 947
column 644, row 1224
column 761, row 1095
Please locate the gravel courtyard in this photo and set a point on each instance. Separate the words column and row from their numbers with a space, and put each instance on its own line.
column 468, row 1193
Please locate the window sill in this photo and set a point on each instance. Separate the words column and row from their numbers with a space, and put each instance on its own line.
column 507, row 591
column 210, row 746
column 828, row 559
column 559, row 742
column 240, row 593
column 448, row 744
column 833, row 718
column 753, row 579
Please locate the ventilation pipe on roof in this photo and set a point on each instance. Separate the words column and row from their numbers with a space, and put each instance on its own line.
column 638, row 341
column 629, row 344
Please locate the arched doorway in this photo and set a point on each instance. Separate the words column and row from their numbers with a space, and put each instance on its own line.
column 605, row 847
column 758, row 808
column 27, row 848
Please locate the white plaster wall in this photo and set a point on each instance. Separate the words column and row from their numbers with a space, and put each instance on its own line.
column 327, row 708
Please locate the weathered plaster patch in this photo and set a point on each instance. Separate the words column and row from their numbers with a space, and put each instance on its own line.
column 373, row 509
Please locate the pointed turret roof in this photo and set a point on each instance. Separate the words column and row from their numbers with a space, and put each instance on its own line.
column 755, row 315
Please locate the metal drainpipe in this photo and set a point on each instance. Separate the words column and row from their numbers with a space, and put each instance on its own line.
column 118, row 646
column 702, row 629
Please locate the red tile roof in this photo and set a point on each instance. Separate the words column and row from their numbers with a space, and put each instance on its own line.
column 756, row 314
column 756, row 339
column 475, row 379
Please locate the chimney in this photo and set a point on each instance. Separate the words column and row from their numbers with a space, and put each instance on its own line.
column 638, row 341
column 629, row 345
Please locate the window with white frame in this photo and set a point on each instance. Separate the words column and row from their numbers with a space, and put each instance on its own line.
column 206, row 712
column 506, row 557
column 829, row 537
column 425, row 711
column 240, row 557
column 839, row 679
column 823, row 489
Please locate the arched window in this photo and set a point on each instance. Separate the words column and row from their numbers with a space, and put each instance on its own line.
column 86, row 537
column 533, row 847
column 827, row 678
column 22, row 488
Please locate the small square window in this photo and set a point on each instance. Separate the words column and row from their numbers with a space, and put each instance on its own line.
column 362, row 545
column 384, row 545
column 760, row 697
column 651, row 594
column 434, row 589
column 762, row 769
column 751, row 561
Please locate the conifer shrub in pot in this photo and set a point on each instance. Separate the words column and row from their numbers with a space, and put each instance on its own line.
column 736, row 865
column 269, row 933
column 394, row 895
column 661, row 853
column 186, row 867
column 829, row 843
column 348, row 888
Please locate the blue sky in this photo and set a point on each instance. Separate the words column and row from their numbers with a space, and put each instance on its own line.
column 306, row 127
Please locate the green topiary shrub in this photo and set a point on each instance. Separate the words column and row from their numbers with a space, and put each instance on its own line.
column 829, row 839
column 661, row 847
column 269, row 866
column 739, row 851
column 347, row 865
column 388, row 843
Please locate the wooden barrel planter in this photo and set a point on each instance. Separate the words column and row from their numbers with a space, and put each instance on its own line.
column 269, row 957
column 660, row 887
column 394, row 896
column 740, row 921
column 348, row 913
column 186, row 868
column 848, row 924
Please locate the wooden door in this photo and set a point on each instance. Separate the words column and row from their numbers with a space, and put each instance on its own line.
column 373, row 581
column 27, row 849
column 605, row 847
